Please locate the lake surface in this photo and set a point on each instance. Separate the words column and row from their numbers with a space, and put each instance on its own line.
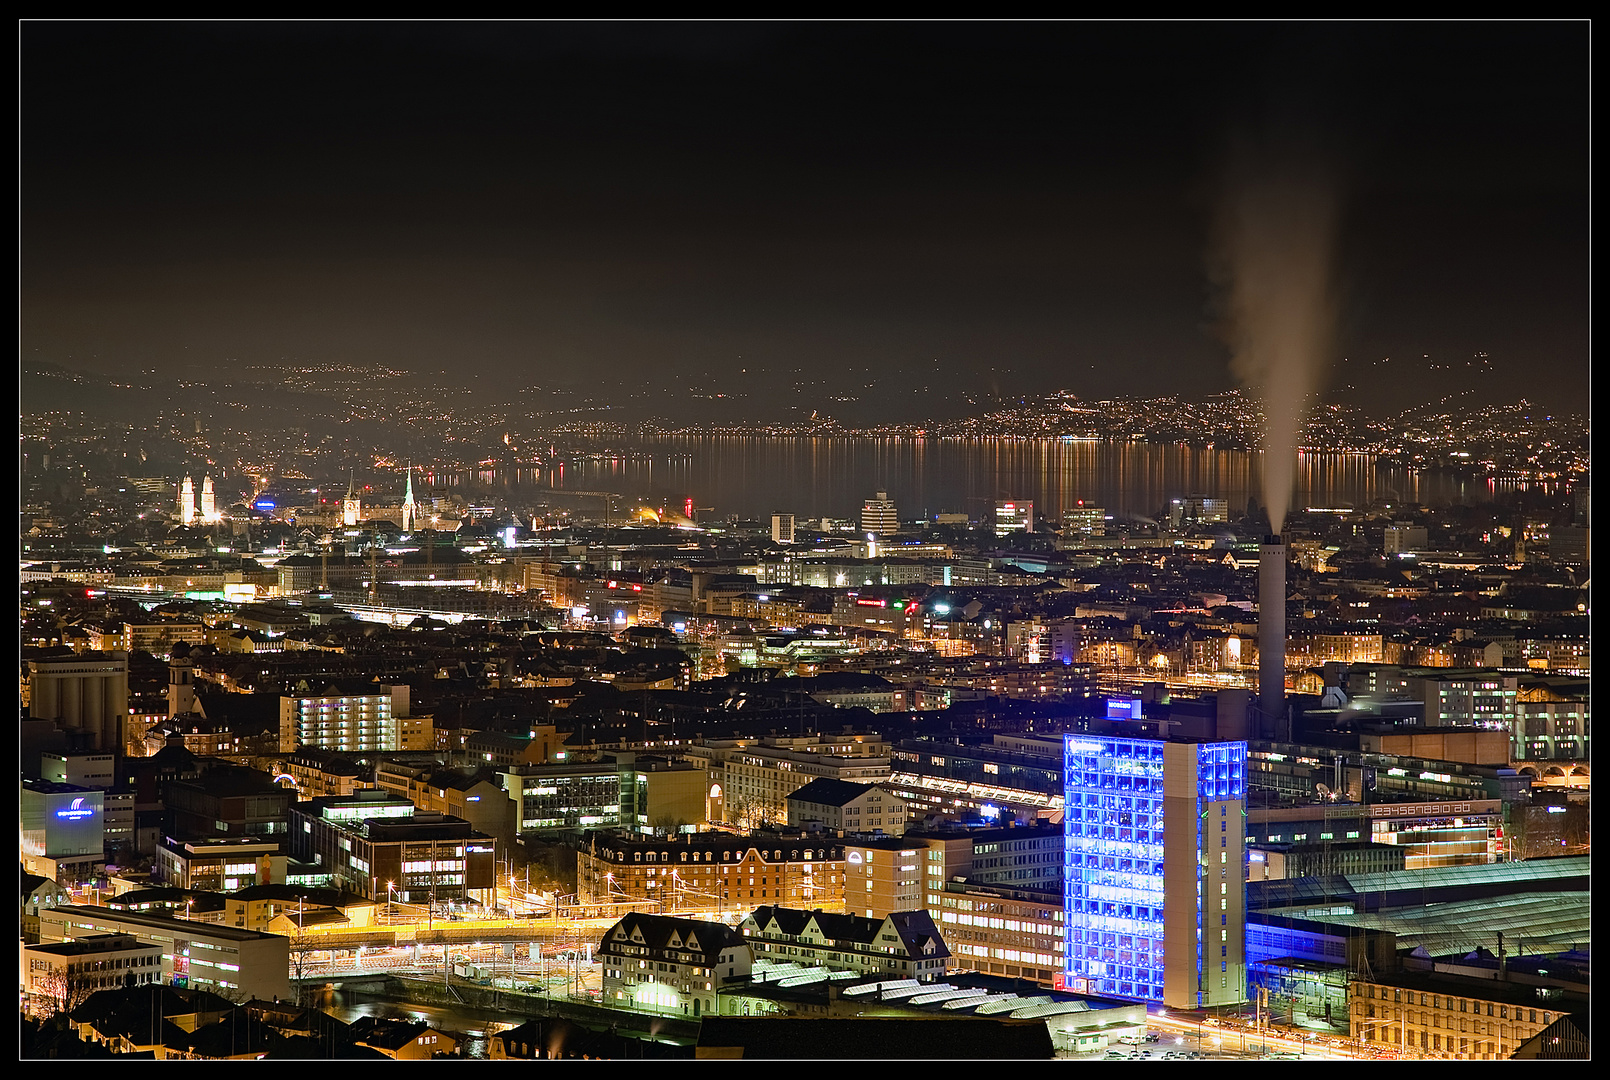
column 754, row 477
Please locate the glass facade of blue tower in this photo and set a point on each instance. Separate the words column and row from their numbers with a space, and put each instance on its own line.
column 1155, row 880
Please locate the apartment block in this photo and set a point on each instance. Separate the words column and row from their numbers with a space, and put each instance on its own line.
column 715, row 869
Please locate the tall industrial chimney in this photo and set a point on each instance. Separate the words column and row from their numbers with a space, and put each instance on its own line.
column 1272, row 636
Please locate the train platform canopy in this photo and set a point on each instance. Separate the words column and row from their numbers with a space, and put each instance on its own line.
column 1403, row 888
column 1535, row 921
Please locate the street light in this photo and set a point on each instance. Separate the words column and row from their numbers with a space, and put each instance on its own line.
column 1371, row 1025
column 391, row 905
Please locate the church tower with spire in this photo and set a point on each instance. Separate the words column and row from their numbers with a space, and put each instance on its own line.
column 410, row 512
column 209, row 501
column 350, row 508
column 187, row 501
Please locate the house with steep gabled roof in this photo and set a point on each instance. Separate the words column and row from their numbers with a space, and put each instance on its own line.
column 279, row 909
column 238, row 1036
column 663, row 964
column 848, row 806
column 147, row 1019
column 38, row 892
column 401, row 1040
column 903, row 944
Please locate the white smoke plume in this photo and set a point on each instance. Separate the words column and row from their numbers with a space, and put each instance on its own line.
column 1273, row 260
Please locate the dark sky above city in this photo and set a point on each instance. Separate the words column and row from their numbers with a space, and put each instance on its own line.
column 1010, row 207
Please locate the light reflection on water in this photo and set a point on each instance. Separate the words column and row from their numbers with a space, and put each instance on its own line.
column 816, row 477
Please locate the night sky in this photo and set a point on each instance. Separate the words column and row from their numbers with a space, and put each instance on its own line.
column 1014, row 208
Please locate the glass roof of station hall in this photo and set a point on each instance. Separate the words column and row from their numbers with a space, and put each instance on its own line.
column 1412, row 886
column 1535, row 922
column 1411, row 907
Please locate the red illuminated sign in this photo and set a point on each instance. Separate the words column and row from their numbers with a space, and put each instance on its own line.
column 872, row 603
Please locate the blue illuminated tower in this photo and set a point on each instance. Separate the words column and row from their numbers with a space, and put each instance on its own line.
column 1155, row 886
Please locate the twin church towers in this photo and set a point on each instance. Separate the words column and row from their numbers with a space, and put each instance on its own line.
column 189, row 512
column 206, row 512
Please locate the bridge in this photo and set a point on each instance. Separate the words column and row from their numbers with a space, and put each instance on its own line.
column 579, row 921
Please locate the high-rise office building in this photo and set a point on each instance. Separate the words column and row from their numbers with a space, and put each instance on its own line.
column 1082, row 520
column 1155, row 885
column 346, row 719
column 1401, row 536
column 782, row 528
column 1014, row 515
column 1197, row 510
column 878, row 516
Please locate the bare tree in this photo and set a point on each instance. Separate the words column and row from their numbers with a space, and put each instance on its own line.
column 301, row 949
column 667, row 825
column 233, row 994
column 743, row 810
column 63, row 990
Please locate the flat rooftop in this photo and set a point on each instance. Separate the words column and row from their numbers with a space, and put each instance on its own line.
column 189, row 927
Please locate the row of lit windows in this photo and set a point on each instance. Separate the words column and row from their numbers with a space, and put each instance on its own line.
column 1111, row 803
column 1439, row 1001
column 726, row 856
column 1148, row 839
column 423, row 866
column 96, row 965
column 1090, row 897
column 1108, row 861
column 1109, row 782
column 1140, row 921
